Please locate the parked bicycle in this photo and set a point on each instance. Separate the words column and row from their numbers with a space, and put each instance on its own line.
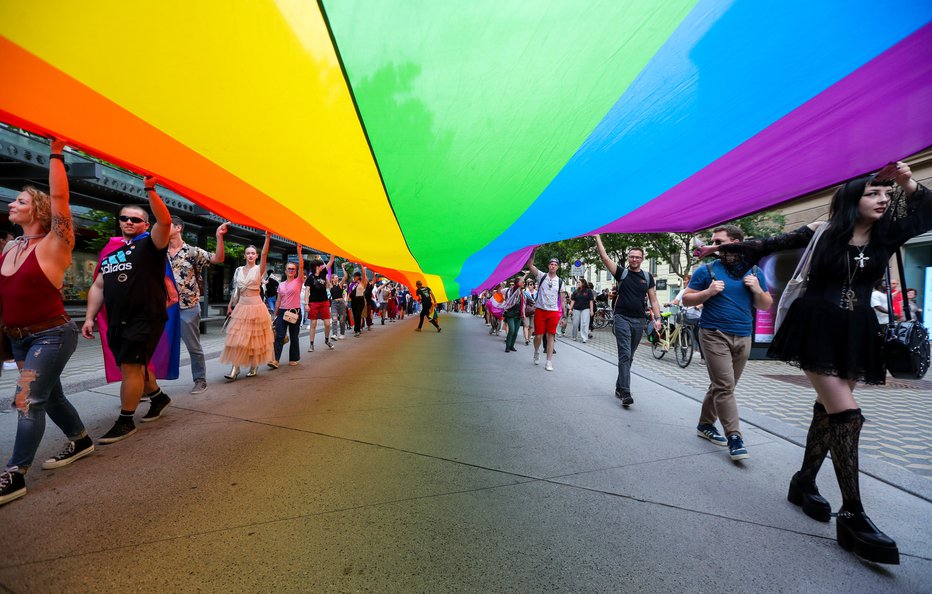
column 604, row 316
column 674, row 335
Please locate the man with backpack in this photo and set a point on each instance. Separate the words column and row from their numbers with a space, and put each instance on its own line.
column 548, row 308
column 634, row 284
column 725, row 335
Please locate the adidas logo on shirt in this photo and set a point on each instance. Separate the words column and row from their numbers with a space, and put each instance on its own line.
column 116, row 263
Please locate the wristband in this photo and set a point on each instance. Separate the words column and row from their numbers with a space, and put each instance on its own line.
column 57, row 156
column 148, row 189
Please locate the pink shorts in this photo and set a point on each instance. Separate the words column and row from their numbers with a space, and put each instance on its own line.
column 545, row 322
column 318, row 310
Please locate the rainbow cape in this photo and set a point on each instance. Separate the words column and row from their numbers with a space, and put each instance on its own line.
column 167, row 357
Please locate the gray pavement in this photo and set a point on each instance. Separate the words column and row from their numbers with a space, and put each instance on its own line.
column 425, row 462
column 899, row 414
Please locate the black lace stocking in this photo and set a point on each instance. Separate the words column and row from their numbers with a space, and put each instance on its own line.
column 845, row 430
column 817, row 444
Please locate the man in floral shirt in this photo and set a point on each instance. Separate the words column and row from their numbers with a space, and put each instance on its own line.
column 188, row 262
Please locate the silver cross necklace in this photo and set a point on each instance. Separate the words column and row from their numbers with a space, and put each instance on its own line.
column 861, row 259
column 848, row 298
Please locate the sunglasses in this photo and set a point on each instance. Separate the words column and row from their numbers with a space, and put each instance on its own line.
column 134, row 220
column 718, row 242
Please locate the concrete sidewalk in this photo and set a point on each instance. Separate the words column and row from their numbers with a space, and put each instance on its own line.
column 426, row 462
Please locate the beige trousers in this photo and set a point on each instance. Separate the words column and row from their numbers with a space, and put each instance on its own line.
column 725, row 357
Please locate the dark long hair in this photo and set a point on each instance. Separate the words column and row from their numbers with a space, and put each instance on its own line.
column 843, row 215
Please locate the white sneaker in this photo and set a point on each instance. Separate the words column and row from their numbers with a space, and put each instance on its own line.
column 536, row 358
column 548, row 366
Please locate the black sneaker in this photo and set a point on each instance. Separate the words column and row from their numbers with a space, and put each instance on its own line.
column 329, row 344
column 155, row 409
column 74, row 450
column 12, row 485
column 310, row 349
column 627, row 400
column 120, row 431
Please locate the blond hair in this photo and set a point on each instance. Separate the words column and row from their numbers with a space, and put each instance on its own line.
column 41, row 206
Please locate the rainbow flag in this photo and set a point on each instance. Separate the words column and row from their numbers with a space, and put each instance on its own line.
column 465, row 133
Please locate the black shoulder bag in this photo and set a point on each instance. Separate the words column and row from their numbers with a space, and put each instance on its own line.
column 906, row 344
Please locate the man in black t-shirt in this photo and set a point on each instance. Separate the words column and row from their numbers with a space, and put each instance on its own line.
column 634, row 284
column 318, row 299
column 426, row 297
column 131, row 285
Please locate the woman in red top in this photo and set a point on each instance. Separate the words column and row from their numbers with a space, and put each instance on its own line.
column 43, row 338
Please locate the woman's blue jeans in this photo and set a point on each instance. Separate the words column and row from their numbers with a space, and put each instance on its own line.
column 294, row 331
column 43, row 356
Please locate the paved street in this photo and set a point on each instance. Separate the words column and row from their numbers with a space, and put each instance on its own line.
column 898, row 431
column 406, row 462
column 899, row 414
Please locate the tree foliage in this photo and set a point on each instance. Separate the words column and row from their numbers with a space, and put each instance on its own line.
column 674, row 249
column 103, row 223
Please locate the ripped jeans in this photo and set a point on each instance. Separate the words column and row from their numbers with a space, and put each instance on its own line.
column 43, row 356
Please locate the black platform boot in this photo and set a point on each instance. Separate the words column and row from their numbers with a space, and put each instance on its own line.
column 854, row 529
column 803, row 490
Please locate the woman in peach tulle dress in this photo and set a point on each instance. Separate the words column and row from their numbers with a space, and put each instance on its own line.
column 249, row 333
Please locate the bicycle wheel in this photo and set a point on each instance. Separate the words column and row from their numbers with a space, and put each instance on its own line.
column 657, row 350
column 600, row 320
column 684, row 347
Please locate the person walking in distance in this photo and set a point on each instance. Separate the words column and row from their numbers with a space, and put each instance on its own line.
column 42, row 336
column 271, row 291
column 728, row 298
column 582, row 307
column 514, row 312
column 338, row 305
column 188, row 264
column 318, row 299
column 634, row 285
column 131, row 286
column 357, row 295
column 547, row 309
column 428, row 303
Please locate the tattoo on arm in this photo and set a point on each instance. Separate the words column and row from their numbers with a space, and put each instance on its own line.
column 63, row 230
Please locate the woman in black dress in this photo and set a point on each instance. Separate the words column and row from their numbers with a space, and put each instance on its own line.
column 833, row 335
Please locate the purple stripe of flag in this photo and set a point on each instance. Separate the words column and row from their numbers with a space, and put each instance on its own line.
column 880, row 112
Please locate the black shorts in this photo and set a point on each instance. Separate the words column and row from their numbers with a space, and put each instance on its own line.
column 134, row 341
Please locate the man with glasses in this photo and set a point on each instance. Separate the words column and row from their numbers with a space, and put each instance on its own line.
column 132, row 286
column 634, row 284
column 188, row 264
column 725, row 335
